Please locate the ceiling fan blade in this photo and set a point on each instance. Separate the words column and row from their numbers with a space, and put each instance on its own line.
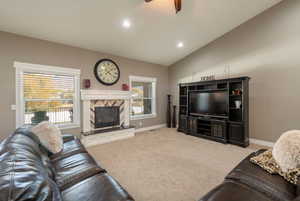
column 148, row 1
column 177, row 5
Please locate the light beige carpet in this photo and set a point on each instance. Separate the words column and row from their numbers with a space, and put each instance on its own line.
column 165, row 165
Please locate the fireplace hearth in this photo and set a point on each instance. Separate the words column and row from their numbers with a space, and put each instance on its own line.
column 107, row 116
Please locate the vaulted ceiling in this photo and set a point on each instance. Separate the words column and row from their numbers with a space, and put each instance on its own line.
column 155, row 29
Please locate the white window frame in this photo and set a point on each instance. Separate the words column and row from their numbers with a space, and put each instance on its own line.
column 22, row 68
column 151, row 80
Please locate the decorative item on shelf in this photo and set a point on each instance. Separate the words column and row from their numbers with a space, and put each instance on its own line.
column 87, row 83
column 238, row 104
column 169, row 115
column 237, row 92
column 208, row 78
column 125, row 87
column 174, row 120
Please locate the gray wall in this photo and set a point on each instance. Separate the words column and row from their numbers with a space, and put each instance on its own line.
column 23, row 49
column 266, row 48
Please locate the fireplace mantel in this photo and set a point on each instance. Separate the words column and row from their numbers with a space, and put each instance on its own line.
column 105, row 95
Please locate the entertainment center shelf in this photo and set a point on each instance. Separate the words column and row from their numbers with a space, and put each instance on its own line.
column 216, row 110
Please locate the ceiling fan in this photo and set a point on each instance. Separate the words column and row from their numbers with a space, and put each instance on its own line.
column 176, row 2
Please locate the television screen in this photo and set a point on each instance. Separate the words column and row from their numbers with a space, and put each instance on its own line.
column 209, row 103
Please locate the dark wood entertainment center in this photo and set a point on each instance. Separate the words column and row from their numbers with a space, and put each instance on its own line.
column 231, row 128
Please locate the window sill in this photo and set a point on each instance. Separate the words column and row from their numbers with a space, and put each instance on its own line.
column 145, row 116
column 68, row 126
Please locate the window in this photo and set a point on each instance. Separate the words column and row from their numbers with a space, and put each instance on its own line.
column 143, row 101
column 46, row 93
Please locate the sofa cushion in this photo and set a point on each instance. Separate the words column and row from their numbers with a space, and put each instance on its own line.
column 232, row 191
column 266, row 161
column 23, row 174
column 255, row 177
column 100, row 187
column 49, row 135
column 75, row 168
column 70, row 147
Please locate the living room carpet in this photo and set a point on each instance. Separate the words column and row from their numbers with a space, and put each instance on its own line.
column 164, row 165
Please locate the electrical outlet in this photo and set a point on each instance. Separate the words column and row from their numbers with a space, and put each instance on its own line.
column 13, row 107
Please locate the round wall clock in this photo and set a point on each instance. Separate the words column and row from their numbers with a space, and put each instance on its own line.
column 107, row 72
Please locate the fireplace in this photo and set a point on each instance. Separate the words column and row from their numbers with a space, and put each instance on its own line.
column 107, row 116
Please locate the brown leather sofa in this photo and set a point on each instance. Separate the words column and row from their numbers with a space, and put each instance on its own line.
column 28, row 172
column 249, row 182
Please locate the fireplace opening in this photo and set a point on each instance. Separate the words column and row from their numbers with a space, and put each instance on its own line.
column 107, row 116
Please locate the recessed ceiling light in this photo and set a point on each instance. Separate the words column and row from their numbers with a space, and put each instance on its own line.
column 126, row 24
column 180, row 44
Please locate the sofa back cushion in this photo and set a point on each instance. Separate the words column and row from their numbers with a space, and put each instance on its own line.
column 25, row 170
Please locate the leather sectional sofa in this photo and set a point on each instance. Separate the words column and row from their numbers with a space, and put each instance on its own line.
column 28, row 172
column 249, row 182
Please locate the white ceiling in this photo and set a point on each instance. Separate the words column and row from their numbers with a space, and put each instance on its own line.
column 155, row 31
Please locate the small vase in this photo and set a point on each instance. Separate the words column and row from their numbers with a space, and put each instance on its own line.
column 174, row 121
column 238, row 104
column 169, row 116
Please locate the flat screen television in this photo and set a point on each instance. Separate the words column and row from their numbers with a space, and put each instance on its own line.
column 209, row 103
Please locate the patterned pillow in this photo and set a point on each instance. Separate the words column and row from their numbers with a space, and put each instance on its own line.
column 50, row 136
column 266, row 161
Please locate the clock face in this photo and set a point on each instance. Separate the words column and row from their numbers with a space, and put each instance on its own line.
column 107, row 72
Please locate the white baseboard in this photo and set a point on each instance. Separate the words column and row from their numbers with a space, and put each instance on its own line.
column 150, row 128
column 261, row 142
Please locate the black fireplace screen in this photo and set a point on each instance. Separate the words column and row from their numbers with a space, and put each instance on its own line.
column 107, row 116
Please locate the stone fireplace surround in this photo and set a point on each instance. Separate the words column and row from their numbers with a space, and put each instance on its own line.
column 102, row 98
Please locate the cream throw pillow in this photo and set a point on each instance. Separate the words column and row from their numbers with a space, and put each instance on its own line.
column 49, row 135
column 286, row 150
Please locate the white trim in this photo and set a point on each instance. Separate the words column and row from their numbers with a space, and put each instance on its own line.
column 150, row 128
column 104, row 95
column 143, row 116
column 261, row 142
column 19, row 98
column 37, row 68
column 151, row 80
column 142, row 79
column 28, row 67
column 68, row 126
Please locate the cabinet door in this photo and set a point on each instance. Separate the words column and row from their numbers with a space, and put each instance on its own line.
column 236, row 133
column 182, row 123
column 219, row 130
column 193, row 125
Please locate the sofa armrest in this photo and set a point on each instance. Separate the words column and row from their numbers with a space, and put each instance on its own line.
column 297, row 198
column 68, row 137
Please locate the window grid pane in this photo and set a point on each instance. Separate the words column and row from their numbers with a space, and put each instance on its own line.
column 142, row 89
column 48, row 98
column 141, row 107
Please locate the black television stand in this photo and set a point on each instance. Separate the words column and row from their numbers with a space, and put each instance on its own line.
column 232, row 128
column 208, row 127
